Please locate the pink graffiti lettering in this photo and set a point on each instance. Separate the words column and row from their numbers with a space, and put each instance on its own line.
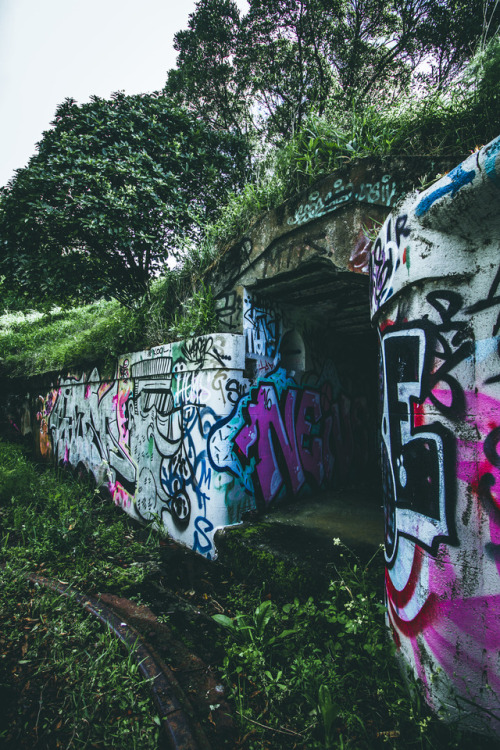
column 287, row 439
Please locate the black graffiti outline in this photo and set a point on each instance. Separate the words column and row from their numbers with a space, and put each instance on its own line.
column 452, row 353
column 491, row 300
column 263, row 320
column 226, row 308
column 382, row 259
column 196, row 350
column 409, row 452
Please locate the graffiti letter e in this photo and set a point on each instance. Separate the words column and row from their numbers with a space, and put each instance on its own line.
column 415, row 456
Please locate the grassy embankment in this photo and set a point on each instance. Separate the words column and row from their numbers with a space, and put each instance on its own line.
column 64, row 681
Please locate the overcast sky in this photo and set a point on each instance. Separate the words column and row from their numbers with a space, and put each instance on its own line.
column 53, row 49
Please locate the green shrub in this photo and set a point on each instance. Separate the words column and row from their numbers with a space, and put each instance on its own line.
column 322, row 674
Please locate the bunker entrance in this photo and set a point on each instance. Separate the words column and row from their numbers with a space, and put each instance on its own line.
column 328, row 344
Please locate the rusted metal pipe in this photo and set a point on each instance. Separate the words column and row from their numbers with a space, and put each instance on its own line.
column 180, row 728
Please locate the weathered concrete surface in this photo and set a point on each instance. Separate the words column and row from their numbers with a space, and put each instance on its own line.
column 282, row 404
column 194, row 434
column 143, row 434
column 435, row 298
column 305, row 253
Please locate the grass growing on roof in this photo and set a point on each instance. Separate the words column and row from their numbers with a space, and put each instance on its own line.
column 442, row 123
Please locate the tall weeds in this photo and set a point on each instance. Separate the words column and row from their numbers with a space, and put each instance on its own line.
column 440, row 123
column 180, row 305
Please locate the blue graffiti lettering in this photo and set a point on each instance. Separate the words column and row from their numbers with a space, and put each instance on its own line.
column 202, row 527
column 458, row 179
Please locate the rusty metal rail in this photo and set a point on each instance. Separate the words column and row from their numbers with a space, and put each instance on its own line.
column 182, row 731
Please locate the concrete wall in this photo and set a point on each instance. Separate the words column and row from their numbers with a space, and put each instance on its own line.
column 326, row 224
column 282, row 404
column 194, row 434
column 144, row 434
column 197, row 433
column 435, row 299
column 302, row 421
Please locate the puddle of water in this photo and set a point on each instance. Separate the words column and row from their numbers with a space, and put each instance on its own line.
column 353, row 515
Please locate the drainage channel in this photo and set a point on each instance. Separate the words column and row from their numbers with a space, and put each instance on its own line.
column 181, row 730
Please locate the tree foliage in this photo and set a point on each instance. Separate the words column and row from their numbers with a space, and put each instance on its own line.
column 205, row 79
column 267, row 70
column 116, row 186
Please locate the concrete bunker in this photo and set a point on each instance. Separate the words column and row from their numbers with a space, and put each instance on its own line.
column 326, row 344
column 297, row 287
column 281, row 402
column 287, row 398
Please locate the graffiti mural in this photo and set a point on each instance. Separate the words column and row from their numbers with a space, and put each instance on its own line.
column 229, row 311
column 359, row 259
column 285, row 437
column 45, row 405
column 262, row 327
column 440, row 439
column 293, row 435
column 383, row 192
column 192, row 435
column 456, row 180
column 418, row 455
column 391, row 249
column 144, row 434
column 417, row 493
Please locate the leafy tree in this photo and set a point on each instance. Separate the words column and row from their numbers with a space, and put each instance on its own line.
column 116, row 186
column 270, row 68
column 205, row 79
column 452, row 32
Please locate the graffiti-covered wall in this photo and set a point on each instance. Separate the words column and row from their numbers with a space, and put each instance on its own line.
column 303, row 421
column 194, row 434
column 435, row 298
column 284, row 403
column 144, row 434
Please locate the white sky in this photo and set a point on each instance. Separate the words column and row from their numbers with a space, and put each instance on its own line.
column 54, row 49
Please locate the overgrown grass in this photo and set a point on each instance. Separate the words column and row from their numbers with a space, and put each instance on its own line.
column 50, row 521
column 303, row 674
column 454, row 123
column 32, row 342
column 322, row 674
column 181, row 306
column 62, row 679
